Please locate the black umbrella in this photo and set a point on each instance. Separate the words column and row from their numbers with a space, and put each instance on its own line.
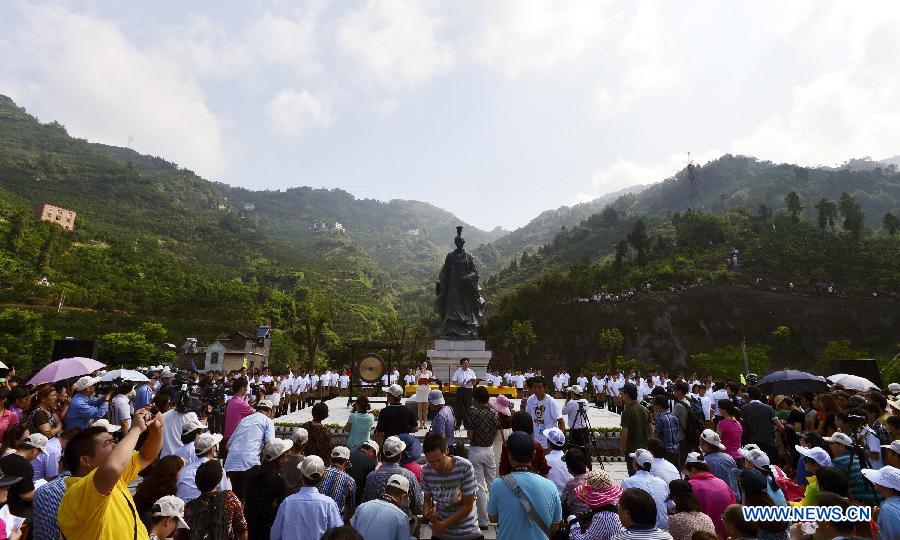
column 791, row 382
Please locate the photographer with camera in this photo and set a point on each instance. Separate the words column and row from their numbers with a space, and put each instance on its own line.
column 86, row 405
column 575, row 410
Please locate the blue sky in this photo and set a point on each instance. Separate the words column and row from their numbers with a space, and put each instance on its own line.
column 493, row 110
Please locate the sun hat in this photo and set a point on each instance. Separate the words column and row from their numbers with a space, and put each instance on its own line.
column 436, row 397
column 712, row 438
column 6, row 480
column 555, row 436
column 395, row 390
column 694, row 457
column 171, row 506
column 642, row 456
column 886, row 476
column 840, row 438
column 275, row 448
column 371, row 444
column 104, row 423
column 816, row 454
column 312, row 466
column 779, row 398
column 598, row 490
column 205, row 442
column 190, row 425
column 500, row 404
column 399, row 481
column 756, row 457
column 392, row 447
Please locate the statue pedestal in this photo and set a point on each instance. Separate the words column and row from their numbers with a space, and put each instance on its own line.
column 447, row 353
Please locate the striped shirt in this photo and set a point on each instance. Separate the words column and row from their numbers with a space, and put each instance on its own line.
column 339, row 486
column 46, row 506
column 447, row 492
column 603, row 525
column 635, row 533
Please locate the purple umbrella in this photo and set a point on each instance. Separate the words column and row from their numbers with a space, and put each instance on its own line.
column 66, row 368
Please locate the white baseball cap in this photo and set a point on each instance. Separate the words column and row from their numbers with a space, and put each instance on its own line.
column 83, row 383
column 400, row 482
column 275, row 448
column 642, row 456
column 886, row 476
column 340, row 452
column 392, row 447
column 840, row 438
column 104, row 423
column 894, row 388
column 300, row 436
column 816, row 454
column 395, row 390
column 312, row 466
column 555, row 436
column 371, row 444
column 190, row 425
column 576, row 389
column 694, row 457
column 171, row 506
column 205, row 442
column 712, row 438
column 166, row 374
column 755, row 456
column 35, row 440
column 893, row 447
column 265, row 404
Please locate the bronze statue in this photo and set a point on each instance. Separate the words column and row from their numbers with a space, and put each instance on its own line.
column 459, row 301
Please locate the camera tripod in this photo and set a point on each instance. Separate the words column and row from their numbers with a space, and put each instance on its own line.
column 584, row 437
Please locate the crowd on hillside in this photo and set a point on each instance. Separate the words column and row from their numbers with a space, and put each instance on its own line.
column 86, row 459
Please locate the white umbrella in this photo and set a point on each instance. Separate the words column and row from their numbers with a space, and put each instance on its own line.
column 853, row 381
column 3, row 366
column 125, row 375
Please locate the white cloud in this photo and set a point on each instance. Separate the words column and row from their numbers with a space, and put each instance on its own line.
column 288, row 38
column 84, row 72
column 290, row 112
column 520, row 36
column 849, row 109
column 395, row 42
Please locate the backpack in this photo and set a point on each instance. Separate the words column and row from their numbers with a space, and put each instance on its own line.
column 206, row 517
column 695, row 420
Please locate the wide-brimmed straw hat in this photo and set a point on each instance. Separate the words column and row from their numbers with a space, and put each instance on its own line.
column 598, row 490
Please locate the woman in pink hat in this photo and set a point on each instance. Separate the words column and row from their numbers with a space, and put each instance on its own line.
column 500, row 404
column 601, row 494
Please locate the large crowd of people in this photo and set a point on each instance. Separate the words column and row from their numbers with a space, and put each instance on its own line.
column 85, row 459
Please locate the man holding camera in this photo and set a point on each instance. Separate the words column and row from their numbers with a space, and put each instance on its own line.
column 575, row 410
column 86, row 406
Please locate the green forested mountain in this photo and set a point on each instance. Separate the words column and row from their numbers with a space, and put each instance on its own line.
column 542, row 229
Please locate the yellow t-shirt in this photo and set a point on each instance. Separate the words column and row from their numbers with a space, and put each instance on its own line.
column 87, row 514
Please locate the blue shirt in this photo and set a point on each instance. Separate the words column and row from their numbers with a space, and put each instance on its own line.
column 46, row 505
column 444, row 423
column 187, row 486
column 657, row 488
column 339, row 486
column 46, row 464
column 83, row 410
column 888, row 518
column 305, row 515
column 513, row 522
column 381, row 520
column 668, row 430
column 247, row 442
column 361, row 425
column 142, row 396
column 721, row 465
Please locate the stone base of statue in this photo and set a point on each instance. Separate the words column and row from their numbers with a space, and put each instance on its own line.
column 447, row 353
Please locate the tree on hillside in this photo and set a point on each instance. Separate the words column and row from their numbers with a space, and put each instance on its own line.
column 521, row 337
column 609, row 217
column 792, row 200
column 610, row 341
column 525, row 258
column 891, row 223
column 764, row 212
column 129, row 349
column 839, row 350
column 640, row 241
column 24, row 343
column 827, row 212
column 854, row 217
column 727, row 363
column 621, row 255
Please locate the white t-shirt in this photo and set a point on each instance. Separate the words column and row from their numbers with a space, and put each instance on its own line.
column 558, row 382
column 335, row 378
column 313, row 381
column 520, row 381
column 464, row 377
column 570, row 409
column 662, row 468
column 559, row 473
column 716, row 397
column 173, row 422
column 544, row 415
column 326, row 379
column 582, row 381
column 344, row 381
column 873, row 446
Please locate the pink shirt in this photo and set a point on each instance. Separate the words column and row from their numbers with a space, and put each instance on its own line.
column 414, row 468
column 235, row 411
column 730, row 431
column 714, row 496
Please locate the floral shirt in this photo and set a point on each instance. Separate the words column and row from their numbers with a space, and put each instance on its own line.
column 319, row 443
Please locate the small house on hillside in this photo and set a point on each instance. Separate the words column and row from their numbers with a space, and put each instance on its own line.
column 230, row 349
column 61, row 216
